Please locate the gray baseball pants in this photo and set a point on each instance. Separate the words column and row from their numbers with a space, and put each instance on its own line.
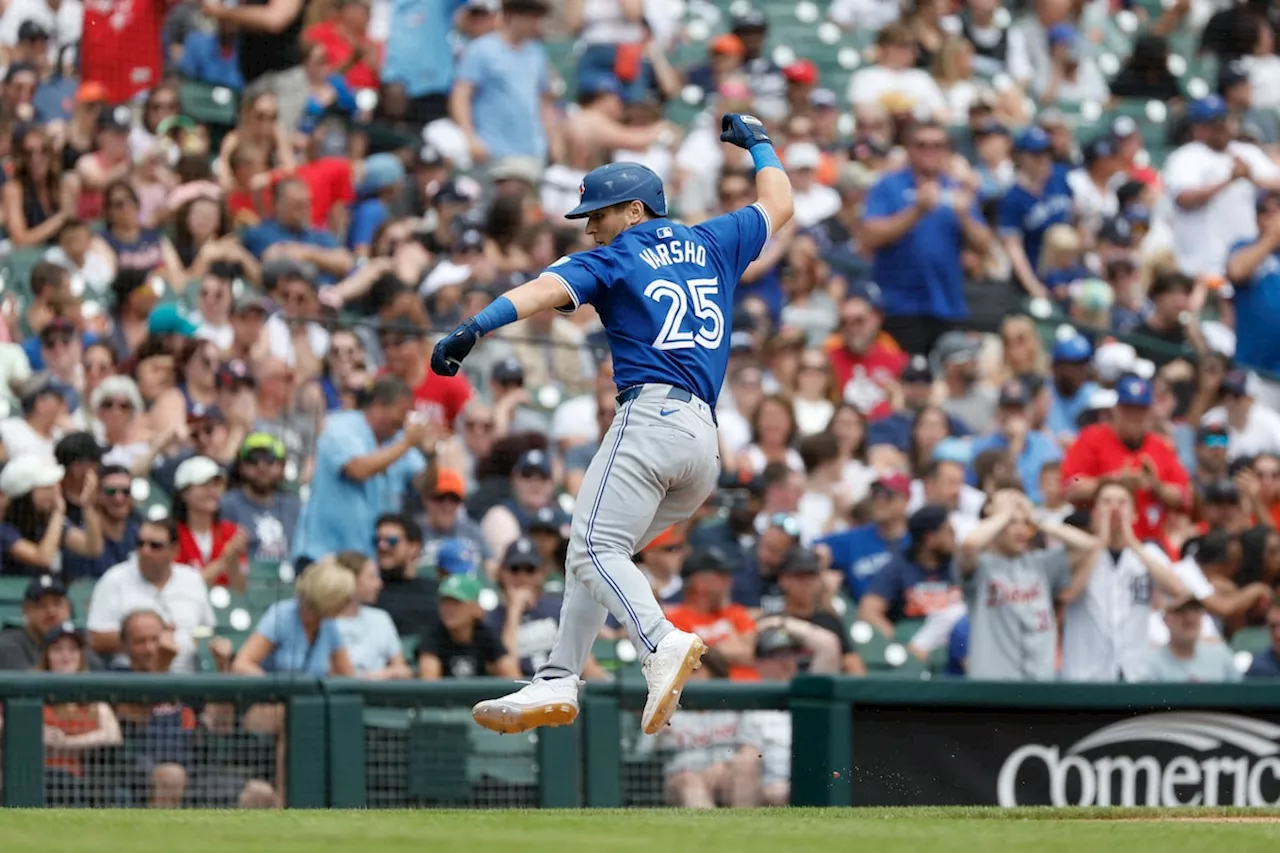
column 656, row 465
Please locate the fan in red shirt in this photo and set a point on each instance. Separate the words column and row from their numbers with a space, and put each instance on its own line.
column 121, row 45
column 708, row 612
column 205, row 542
column 1128, row 452
column 866, row 361
column 408, row 354
column 343, row 37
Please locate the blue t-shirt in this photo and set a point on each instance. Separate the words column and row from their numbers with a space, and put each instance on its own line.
column 859, row 554
column 1257, row 301
column 367, row 215
column 114, row 552
column 913, row 592
column 1036, row 451
column 1029, row 214
column 262, row 237
column 506, row 108
column 370, row 639
column 339, row 514
column 1064, row 412
column 664, row 292
column 895, row 429
column 919, row 275
column 419, row 55
column 1265, row 665
column 291, row 651
column 958, row 647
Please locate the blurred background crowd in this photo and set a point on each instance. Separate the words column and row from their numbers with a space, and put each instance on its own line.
column 1002, row 398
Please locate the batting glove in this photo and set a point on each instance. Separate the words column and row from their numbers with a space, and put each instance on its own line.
column 743, row 131
column 447, row 357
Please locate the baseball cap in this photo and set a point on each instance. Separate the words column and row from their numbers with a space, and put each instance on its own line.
column 803, row 155
column 706, row 560
column 196, row 471
column 991, row 127
column 1098, row 149
column 1123, row 127
column 1204, row 432
column 234, row 374
column 78, row 447
column 508, row 369
column 528, row 170
column 823, row 99
column 29, row 471
column 1133, row 390
column 281, row 268
column 868, row 292
column 1062, row 33
column 470, row 240
column 32, row 31
column 449, row 482
column 953, row 449
column 1231, row 74
column 256, row 441
column 200, row 412
column 954, row 348
column 777, row 641
column 1116, row 230
column 381, row 171
column 168, row 320
column 894, row 482
column 66, row 629
column 253, row 301
column 917, row 370
column 90, row 92
column 1184, row 602
column 750, row 19
column 1222, row 491
column 743, row 478
column 926, row 520
column 801, row 561
column 1033, row 140
column 42, row 586
column 456, row 557
column 1207, row 109
column 1236, row 381
column 802, row 71
column 1075, row 349
column 522, row 552
column 727, row 43
column 548, row 519
column 1014, row 394
column 116, row 121
column 462, row 588
column 534, row 461
column 56, row 327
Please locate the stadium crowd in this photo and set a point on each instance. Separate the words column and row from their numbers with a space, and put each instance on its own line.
column 1002, row 400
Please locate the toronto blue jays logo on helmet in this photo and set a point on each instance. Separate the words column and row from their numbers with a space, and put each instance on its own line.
column 582, row 189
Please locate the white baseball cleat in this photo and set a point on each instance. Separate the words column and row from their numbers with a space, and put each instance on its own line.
column 549, row 702
column 667, row 669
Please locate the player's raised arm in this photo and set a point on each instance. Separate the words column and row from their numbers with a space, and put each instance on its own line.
column 524, row 301
column 773, row 187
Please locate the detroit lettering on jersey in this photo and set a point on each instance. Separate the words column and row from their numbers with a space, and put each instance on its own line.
column 664, row 292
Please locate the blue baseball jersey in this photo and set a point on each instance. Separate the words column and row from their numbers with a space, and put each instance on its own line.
column 664, row 292
column 1257, row 301
column 1028, row 215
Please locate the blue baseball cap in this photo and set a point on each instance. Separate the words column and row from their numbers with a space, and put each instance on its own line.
column 1073, row 350
column 168, row 320
column 533, row 461
column 1033, row 140
column 1207, row 110
column 456, row 557
column 381, row 171
column 1133, row 390
column 868, row 292
column 1062, row 33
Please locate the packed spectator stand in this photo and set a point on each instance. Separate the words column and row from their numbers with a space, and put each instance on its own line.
column 1002, row 400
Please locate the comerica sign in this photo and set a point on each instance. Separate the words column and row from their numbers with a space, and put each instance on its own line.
column 1022, row 757
column 1110, row 767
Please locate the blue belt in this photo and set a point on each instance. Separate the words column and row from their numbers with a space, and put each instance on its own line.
column 629, row 394
column 679, row 394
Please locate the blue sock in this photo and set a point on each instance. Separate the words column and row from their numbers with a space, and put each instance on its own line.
column 499, row 313
column 764, row 156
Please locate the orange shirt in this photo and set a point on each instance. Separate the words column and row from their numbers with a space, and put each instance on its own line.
column 73, row 720
column 716, row 627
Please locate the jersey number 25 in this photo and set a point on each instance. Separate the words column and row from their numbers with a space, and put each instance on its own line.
column 700, row 292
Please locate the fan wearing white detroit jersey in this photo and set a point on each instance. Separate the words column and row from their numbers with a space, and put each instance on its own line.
column 664, row 292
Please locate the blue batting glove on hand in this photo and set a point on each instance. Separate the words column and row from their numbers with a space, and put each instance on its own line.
column 743, row 131
column 447, row 357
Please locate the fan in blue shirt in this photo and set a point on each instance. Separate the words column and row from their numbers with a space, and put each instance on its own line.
column 859, row 554
column 1254, row 269
column 1040, row 199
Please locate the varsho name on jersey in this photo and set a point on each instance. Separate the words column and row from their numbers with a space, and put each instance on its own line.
column 1180, row 758
column 674, row 252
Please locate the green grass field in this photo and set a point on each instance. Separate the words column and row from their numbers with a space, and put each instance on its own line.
column 924, row 830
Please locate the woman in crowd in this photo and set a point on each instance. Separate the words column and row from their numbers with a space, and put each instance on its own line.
column 197, row 389
column 1023, row 353
column 35, row 527
column 773, row 431
column 37, row 201
column 814, row 391
column 849, row 426
column 161, row 103
column 72, row 729
column 213, row 308
column 301, row 634
column 929, row 428
column 119, row 422
column 135, row 247
column 373, row 645
column 808, row 280
column 345, row 366
column 203, row 237
column 206, row 541
column 259, row 129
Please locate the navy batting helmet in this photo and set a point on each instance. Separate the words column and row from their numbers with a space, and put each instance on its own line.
column 616, row 183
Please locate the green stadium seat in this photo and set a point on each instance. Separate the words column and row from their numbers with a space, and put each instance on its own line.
column 1253, row 640
column 80, row 593
column 12, row 589
column 208, row 104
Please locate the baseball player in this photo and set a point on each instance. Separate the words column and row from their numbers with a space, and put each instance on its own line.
column 664, row 292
